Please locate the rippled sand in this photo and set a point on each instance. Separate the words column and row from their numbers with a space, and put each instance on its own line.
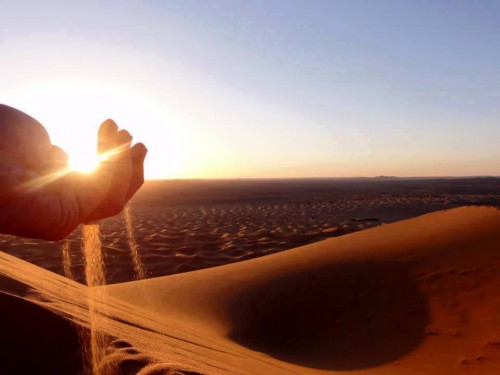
column 188, row 225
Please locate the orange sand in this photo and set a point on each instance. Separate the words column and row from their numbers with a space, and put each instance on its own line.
column 421, row 296
column 184, row 225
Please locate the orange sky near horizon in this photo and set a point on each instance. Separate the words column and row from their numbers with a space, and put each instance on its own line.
column 72, row 113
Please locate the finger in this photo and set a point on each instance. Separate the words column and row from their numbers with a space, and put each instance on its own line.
column 121, row 165
column 123, row 140
column 57, row 159
column 123, row 136
column 137, row 155
column 59, row 155
column 106, row 137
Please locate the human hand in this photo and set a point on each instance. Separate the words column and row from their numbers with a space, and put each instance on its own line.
column 41, row 198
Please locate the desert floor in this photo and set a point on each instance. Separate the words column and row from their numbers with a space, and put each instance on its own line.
column 184, row 225
column 414, row 293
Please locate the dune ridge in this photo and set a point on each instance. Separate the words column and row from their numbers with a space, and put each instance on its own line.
column 419, row 296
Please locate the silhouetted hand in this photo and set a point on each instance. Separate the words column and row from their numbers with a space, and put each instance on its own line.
column 41, row 198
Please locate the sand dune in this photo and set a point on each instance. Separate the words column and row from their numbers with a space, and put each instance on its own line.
column 183, row 226
column 415, row 297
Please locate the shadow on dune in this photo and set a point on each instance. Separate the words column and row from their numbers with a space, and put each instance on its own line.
column 343, row 317
column 34, row 340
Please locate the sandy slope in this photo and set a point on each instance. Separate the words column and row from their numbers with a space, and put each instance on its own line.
column 416, row 297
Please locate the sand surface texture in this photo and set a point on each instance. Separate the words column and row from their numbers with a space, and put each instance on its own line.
column 419, row 296
column 183, row 226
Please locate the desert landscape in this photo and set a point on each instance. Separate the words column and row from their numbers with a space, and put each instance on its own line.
column 372, row 276
column 249, row 187
column 186, row 225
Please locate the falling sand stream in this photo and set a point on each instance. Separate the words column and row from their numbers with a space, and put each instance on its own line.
column 132, row 243
column 93, row 341
column 94, row 274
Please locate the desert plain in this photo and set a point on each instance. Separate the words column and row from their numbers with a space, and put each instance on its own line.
column 361, row 276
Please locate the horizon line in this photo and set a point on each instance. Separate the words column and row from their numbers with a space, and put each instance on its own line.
column 381, row 177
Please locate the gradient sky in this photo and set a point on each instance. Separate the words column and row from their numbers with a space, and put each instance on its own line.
column 224, row 89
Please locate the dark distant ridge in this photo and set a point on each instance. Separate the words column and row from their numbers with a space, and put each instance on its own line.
column 288, row 190
column 361, row 178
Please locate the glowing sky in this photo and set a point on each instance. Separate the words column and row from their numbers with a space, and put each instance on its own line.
column 223, row 89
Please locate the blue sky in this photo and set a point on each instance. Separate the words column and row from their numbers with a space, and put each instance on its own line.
column 265, row 88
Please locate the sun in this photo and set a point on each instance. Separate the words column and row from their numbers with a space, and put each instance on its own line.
column 72, row 109
column 83, row 162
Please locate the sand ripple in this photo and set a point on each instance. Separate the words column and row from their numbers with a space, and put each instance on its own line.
column 181, row 237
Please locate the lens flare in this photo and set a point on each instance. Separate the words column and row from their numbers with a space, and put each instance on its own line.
column 83, row 163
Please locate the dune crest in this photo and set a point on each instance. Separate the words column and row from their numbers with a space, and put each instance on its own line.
column 414, row 297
